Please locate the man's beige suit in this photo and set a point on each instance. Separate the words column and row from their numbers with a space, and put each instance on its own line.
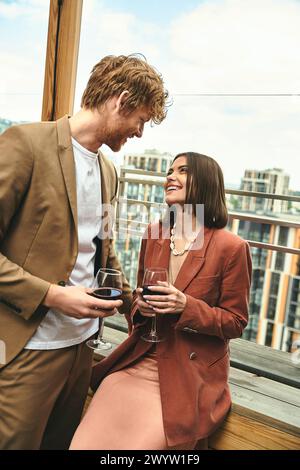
column 38, row 225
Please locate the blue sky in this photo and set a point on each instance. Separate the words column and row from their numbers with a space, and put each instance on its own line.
column 23, row 39
column 158, row 11
column 212, row 46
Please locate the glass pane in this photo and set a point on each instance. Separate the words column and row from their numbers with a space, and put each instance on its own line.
column 272, row 308
column 293, row 306
column 283, row 236
column 255, row 126
column 23, row 38
column 269, row 334
column 274, row 284
column 264, row 300
column 232, row 99
column 254, row 231
column 280, row 257
column 288, row 338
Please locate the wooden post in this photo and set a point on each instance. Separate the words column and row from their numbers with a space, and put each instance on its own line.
column 62, row 57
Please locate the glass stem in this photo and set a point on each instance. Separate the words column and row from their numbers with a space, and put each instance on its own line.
column 101, row 328
column 153, row 326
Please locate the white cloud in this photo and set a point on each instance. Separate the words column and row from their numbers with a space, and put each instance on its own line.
column 222, row 46
column 236, row 46
column 104, row 31
column 20, row 8
column 23, row 37
column 233, row 46
column 21, row 90
column 268, row 136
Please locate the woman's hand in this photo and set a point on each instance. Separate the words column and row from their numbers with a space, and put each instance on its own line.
column 173, row 301
column 144, row 308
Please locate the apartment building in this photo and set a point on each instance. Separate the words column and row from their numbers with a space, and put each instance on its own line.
column 274, row 181
column 133, row 216
column 274, row 310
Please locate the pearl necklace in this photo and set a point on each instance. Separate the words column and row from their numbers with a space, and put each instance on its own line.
column 172, row 244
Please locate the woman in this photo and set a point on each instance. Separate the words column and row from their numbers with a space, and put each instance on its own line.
column 173, row 393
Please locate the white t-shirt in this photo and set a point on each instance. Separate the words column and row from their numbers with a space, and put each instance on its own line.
column 58, row 330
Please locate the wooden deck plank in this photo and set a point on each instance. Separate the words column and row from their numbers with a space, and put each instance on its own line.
column 264, row 405
column 264, row 361
column 265, row 387
column 242, row 433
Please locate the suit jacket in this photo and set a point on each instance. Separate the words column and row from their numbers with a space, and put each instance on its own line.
column 193, row 362
column 38, row 224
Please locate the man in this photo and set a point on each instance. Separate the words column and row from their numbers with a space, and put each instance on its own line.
column 53, row 187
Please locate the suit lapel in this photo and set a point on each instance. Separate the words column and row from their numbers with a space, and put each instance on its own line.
column 190, row 268
column 105, row 182
column 66, row 157
column 194, row 261
column 160, row 256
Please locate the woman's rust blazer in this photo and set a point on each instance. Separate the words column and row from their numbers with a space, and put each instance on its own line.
column 193, row 362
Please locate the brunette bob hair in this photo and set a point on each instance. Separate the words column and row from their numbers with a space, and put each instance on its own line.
column 205, row 185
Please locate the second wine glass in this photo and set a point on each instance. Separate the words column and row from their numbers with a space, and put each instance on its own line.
column 107, row 286
column 152, row 277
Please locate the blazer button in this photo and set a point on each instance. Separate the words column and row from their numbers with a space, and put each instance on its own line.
column 61, row 283
column 193, row 355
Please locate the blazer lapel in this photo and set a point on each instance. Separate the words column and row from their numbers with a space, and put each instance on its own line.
column 160, row 256
column 104, row 182
column 105, row 200
column 193, row 262
column 66, row 157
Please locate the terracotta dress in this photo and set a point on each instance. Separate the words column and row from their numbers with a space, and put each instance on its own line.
column 170, row 395
column 126, row 411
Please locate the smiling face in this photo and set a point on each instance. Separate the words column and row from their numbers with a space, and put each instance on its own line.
column 175, row 186
column 126, row 126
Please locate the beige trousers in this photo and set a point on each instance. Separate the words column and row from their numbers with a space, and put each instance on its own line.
column 42, row 394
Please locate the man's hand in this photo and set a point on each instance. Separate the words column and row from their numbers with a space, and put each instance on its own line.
column 76, row 302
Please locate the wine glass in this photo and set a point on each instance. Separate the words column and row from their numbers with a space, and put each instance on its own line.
column 107, row 286
column 151, row 278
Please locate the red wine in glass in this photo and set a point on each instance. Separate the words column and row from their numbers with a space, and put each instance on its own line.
column 152, row 277
column 107, row 293
column 107, row 286
column 147, row 291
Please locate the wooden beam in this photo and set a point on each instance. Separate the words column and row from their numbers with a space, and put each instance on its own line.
column 263, row 400
column 62, row 57
column 242, row 433
column 264, row 361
